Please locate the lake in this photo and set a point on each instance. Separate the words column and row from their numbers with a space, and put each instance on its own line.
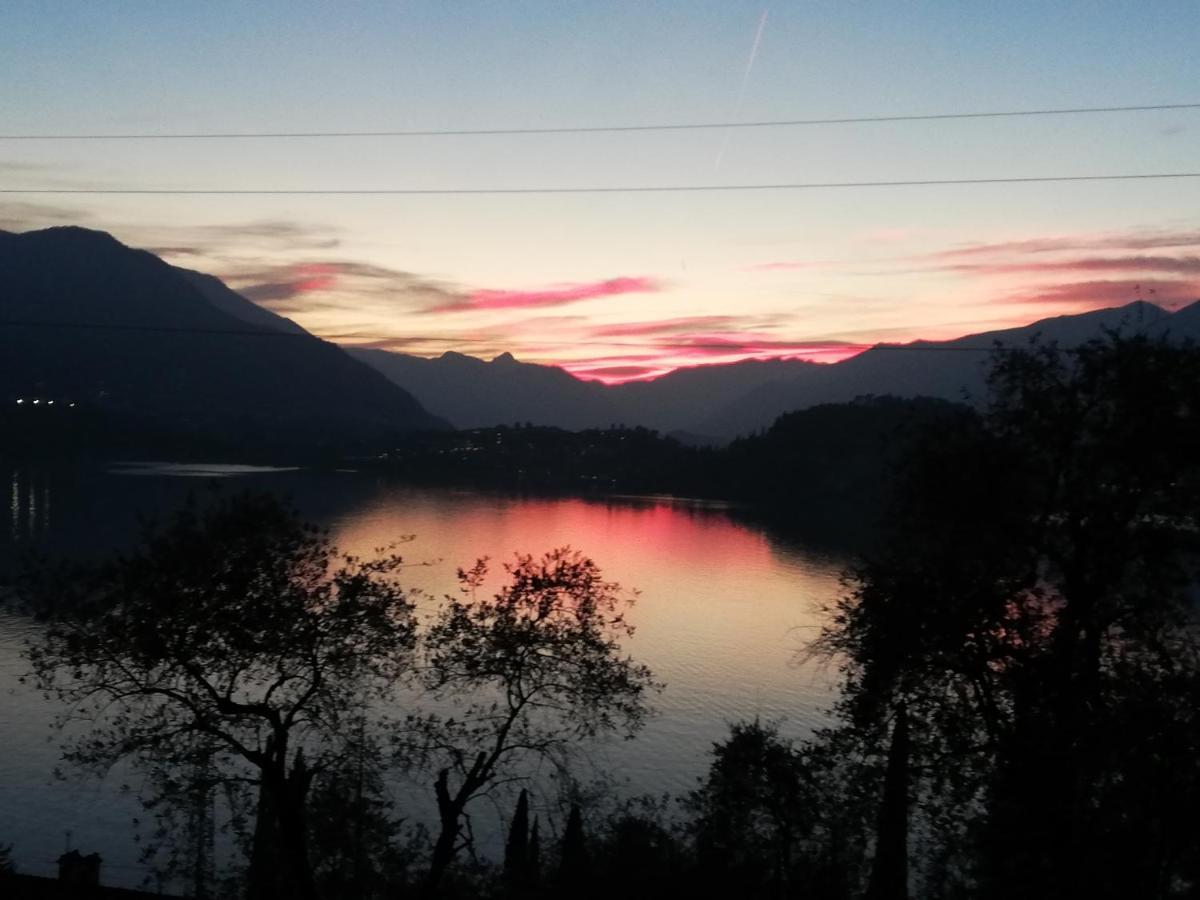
column 725, row 607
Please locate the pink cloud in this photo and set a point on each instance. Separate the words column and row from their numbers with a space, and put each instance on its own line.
column 557, row 295
column 674, row 352
column 616, row 374
column 1101, row 294
column 293, row 281
column 315, row 277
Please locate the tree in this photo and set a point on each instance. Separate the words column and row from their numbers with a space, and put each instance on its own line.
column 889, row 869
column 236, row 630
column 535, row 668
column 753, row 813
column 359, row 846
column 1033, row 613
column 573, row 855
column 516, row 849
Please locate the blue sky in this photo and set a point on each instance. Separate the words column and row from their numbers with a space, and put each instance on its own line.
column 677, row 278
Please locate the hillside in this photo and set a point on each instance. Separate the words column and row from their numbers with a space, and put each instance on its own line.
column 145, row 346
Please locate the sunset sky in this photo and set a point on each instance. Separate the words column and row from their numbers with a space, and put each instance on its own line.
column 622, row 285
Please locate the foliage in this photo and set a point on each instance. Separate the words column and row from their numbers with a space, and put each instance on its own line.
column 766, row 821
column 1032, row 612
column 751, row 814
column 236, row 632
column 360, row 847
column 517, row 847
column 534, row 668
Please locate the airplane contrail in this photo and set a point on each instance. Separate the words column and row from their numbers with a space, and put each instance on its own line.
column 762, row 23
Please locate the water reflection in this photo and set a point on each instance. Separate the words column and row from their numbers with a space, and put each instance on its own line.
column 29, row 504
column 725, row 602
column 724, row 607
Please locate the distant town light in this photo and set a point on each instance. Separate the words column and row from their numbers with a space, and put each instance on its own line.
column 36, row 402
column 20, row 400
column 49, row 402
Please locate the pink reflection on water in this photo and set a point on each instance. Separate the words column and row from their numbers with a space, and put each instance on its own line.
column 722, row 612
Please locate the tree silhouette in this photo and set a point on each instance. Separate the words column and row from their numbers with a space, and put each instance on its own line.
column 889, row 869
column 1033, row 611
column 516, row 849
column 753, row 813
column 573, row 856
column 537, row 667
column 240, row 628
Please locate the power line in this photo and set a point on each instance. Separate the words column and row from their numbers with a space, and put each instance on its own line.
column 597, row 129
column 616, row 189
column 156, row 329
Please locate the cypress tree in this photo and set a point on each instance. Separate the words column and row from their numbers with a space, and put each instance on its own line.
column 516, row 849
column 573, row 859
column 533, row 862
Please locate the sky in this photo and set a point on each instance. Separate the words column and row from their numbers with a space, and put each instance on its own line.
column 622, row 285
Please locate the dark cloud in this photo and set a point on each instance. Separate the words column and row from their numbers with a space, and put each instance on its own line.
column 238, row 239
column 663, row 326
column 752, row 344
column 1154, row 264
column 286, row 288
column 1129, row 241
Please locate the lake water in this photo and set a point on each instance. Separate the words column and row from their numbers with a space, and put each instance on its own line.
column 725, row 606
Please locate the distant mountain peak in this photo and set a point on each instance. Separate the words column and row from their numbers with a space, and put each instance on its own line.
column 77, row 232
column 505, row 359
column 1144, row 308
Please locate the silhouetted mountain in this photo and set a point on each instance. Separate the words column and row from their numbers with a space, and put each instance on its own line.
column 230, row 301
column 704, row 404
column 949, row 370
column 124, row 335
column 472, row 393
column 681, row 399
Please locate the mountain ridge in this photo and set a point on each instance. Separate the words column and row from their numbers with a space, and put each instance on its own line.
column 118, row 330
column 87, row 295
column 719, row 402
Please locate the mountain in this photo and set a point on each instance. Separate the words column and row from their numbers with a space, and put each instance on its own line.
column 716, row 403
column 680, row 401
column 472, row 393
column 948, row 370
column 85, row 319
column 224, row 298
